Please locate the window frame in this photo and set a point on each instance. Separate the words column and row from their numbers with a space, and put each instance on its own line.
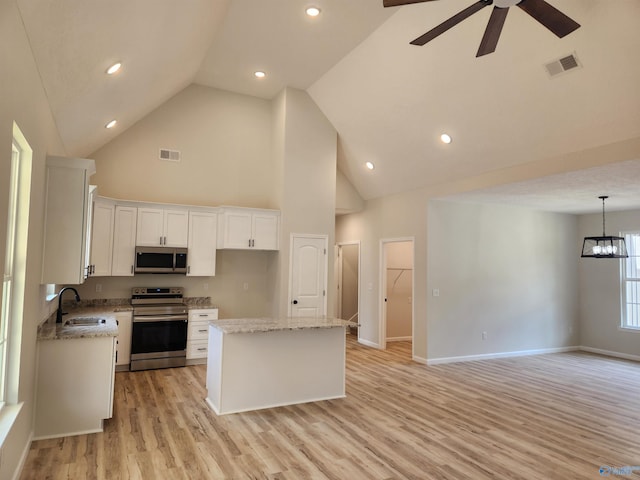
column 625, row 279
column 8, row 280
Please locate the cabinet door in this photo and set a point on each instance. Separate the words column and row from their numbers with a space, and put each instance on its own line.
column 102, row 238
column 236, row 230
column 176, row 228
column 124, row 241
column 202, row 244
column 265, row 231
column 67, row 227
column 150, row 227
column 123, row 356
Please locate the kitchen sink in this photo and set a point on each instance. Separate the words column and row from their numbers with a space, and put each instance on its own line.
column 85, row 321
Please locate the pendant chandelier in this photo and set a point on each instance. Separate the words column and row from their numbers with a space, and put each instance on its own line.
column 604, row 246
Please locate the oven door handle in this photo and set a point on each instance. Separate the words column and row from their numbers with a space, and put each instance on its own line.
column 159, row 318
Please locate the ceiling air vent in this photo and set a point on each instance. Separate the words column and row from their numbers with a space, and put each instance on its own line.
column 563, row 65
column 169, row 155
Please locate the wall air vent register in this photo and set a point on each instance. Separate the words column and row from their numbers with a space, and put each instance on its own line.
column 170, row 155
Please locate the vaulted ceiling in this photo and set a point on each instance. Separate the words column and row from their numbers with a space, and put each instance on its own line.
column 388, row 100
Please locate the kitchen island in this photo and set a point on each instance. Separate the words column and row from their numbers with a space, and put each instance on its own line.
column 257, row 363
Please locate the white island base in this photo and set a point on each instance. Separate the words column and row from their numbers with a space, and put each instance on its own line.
column 271, row 367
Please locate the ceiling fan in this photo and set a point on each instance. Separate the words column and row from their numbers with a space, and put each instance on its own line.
column 547, row 15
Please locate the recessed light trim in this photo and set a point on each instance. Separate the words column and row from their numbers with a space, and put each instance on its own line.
column 259, row 74
column 445, row 138
column 312, row 11
column 370, row 165
column 114, row 68
column 111, row 124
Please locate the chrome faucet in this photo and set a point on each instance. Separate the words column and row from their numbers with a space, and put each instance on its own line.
column 60, row 312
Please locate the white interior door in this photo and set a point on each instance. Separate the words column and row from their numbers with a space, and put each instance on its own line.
column 308, row 276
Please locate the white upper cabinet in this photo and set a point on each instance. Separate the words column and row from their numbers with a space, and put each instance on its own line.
column 248, row 228
column 162, row 227
column 124, row 241
column 101, row 238
column 67, row 231
column 201, row 255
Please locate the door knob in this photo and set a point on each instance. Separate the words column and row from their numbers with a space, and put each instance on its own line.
column 295, row 302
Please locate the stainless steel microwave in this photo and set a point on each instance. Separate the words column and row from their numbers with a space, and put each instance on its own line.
column 161, row 260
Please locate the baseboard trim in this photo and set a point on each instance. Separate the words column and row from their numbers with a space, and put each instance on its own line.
column 367, row 343
column 422, row 360
column 399, row 339
column 608, row 353
column 491, row 356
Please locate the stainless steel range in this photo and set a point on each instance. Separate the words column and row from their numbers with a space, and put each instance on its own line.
column 159, row 334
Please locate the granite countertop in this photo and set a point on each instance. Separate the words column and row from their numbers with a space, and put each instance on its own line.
column 105, row 308
column 59, row 331
column 257, row 325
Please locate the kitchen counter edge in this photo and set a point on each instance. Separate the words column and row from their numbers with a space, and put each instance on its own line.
column 261, row 325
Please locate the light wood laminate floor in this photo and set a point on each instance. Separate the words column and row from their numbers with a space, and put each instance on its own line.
column 559, row 416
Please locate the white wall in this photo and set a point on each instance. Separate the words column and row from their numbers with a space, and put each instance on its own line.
column 510, row 272
column 600, row 308
column 308, row 184
column 225, row 141
column 396, row 216
column 23, row 100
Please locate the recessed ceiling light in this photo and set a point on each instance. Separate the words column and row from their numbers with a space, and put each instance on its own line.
column 111, row 124
column 370, row 165
column 445, row 138
column 312, row 11
column 260, row 74
column 114, row 68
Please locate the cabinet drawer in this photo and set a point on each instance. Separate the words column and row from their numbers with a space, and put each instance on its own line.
column 197, row 349
column 198, row 330
column 204, row 315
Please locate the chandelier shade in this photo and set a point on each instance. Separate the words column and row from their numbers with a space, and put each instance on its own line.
column 606, row 246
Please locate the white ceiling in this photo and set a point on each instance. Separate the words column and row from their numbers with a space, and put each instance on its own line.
column 388, row 100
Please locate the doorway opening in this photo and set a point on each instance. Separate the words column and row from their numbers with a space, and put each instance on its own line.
column 397, row 281
column 347, row 283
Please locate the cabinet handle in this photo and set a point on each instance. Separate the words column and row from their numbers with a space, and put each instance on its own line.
column 131, row 269
column 202, row 331
column 249, row 243
column 203, row 315
column 188, row 269
column 202, row 349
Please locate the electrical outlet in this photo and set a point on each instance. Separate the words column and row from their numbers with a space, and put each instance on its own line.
column 205, row 286
column 246, row 286
column 435, row 292
column 98, row 287
column 484, row 335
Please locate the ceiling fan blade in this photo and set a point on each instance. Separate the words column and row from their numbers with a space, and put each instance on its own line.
column 492, row 33
column 549, row 16
column 452, row 22
column 397, row 3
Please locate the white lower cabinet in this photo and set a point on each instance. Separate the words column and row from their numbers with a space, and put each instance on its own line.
column 198, row 334
column 75, row 386
column 123, row 344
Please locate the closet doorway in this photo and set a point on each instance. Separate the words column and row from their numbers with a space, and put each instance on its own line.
column 396, row 258
column 348, row 282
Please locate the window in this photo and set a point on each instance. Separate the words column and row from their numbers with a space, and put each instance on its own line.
column 631, row 282
column 8, row 282
column 15, row 255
